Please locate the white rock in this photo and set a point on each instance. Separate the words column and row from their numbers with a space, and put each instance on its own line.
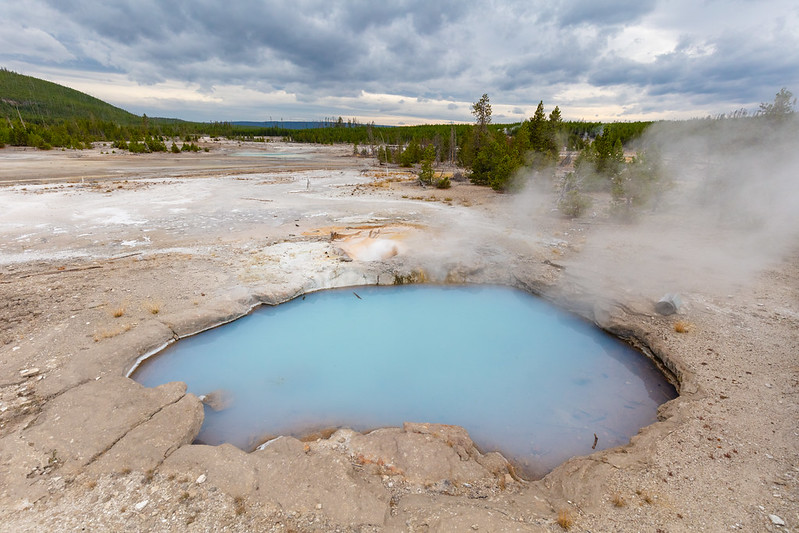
column 776, row 520
column 28, row 372
column 24, row 505
column 141, row 505
column 202, row 478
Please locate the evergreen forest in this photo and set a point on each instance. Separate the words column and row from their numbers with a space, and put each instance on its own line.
column 46, row 115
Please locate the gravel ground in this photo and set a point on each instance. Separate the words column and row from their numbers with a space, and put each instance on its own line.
column 105, row 257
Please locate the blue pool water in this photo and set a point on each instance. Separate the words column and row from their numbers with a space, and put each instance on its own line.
column 523, row 377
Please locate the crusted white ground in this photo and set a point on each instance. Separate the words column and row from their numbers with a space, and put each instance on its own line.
column 106, row 257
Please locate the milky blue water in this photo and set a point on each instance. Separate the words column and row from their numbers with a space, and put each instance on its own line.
column 523, row 377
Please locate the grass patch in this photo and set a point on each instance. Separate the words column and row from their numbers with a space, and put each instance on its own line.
column 111, row 332
column 682, row 326
column 238, row 505
column 648, row 498
column 565, row 519
column 617, row 500
column 153, row 307
column 118, row 312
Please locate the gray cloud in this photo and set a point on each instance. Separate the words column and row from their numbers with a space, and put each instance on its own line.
column 606, row 13
column 740, row 68
column 443, row 53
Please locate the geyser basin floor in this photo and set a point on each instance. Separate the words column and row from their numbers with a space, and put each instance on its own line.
column 521, row 376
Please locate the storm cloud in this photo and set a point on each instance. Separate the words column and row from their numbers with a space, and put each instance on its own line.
column 412, row 60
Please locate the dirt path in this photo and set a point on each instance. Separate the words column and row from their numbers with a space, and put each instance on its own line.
column 95, row 274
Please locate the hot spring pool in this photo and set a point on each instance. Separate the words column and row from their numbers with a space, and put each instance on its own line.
column 523, row 377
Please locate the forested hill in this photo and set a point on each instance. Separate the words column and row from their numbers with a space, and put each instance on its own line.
column 44, row 102
column 43, row 114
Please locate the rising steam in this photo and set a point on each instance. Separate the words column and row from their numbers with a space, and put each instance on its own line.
column 732, row 210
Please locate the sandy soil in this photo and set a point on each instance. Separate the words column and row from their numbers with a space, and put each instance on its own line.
column 106, row 257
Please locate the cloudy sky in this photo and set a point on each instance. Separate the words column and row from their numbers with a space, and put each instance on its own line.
column 409, row 61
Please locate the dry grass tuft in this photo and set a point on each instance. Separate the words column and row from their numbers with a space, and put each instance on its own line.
column 648, row 498
column 109, row 333
column 238, row 504
column 118, row 312
column 682, row 326
column 617, row 500
column 565, row 519
column 153, row 307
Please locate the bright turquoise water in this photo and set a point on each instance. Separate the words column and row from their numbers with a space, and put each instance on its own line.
column 521, row 376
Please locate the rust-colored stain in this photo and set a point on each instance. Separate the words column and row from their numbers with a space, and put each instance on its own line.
column 368, row 242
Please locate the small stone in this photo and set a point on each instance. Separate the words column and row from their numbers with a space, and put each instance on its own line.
column 24, row 505
column 28, row 372
column 218, row 400
column 776, row 520
column 319, row 506
column 475, row 527
column 141, row 505
column 201, row 479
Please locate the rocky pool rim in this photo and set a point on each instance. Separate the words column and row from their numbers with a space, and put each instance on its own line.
column 579, row 308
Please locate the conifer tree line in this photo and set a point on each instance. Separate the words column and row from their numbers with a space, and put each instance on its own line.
column 46, row 115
